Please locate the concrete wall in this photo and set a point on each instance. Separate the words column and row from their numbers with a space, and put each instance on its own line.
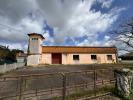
column 33, row 60
column 9, row 67
column 83, row 58
column 35, row 45
column 21, row 59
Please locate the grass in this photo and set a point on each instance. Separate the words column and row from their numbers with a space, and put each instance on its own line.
column 131, row 67
column 128, row 66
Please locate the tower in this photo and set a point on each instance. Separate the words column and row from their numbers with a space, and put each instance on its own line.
column 34, row 48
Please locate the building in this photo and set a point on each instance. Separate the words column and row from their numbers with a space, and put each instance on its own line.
column 21, row 57
column 38, row 54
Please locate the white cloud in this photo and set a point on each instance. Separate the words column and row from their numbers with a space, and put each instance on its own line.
column 69, row 19
column 83, row 21
column 106, row 37
column 16, row 10
column 92, row 41
column 48, row 38
column 18, row 32
column 20, row 46
column 106, row 3
column 88, row 43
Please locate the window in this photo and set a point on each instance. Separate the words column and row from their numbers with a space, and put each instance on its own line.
column 109, row 57
column 75, row 57
column 93, row 57
column 34, row 38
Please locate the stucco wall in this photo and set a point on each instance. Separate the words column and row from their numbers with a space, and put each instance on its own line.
column 86, row 59
column 64, row 58
column 83, row 58
column 33, row 60
column 46, row 58
column 35, row 45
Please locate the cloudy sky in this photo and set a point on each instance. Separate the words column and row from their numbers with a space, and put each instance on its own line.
column 62, row 22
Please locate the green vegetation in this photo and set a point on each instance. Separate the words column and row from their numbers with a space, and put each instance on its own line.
column 130, row 97
column 131, row 67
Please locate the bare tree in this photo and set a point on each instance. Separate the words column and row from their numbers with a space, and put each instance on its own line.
column 124, row 35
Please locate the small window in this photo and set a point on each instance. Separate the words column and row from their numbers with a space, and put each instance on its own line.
column 75, row 57
column 109, row 57
column 34, row 38
column 93, row 57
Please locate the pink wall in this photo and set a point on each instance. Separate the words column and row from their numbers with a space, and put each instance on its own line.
column 46, row 58
column 83, row 58
column 86, row 59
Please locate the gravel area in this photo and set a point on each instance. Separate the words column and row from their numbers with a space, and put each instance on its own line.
column 42, row 69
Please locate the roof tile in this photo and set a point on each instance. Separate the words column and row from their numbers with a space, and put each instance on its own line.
column 78, row 49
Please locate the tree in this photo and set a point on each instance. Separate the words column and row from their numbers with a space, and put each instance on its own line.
column 7, row 55
column 124, row 35
column 3, row 52
column 12, row 54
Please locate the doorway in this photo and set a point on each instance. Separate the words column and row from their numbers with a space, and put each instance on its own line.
column 56, row 58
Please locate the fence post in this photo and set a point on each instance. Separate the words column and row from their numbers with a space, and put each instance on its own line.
column 21, row 85
column 64, row 86
column 95, row 82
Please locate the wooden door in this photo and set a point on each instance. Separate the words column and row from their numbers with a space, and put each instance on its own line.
column 56, row 58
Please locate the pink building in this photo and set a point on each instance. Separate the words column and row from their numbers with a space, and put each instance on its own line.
column 38, row 54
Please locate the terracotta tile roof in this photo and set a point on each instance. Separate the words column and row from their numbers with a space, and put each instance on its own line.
column 36, row 34
column 78, row 49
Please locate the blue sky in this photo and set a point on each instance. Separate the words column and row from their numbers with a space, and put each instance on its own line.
column 62, row 22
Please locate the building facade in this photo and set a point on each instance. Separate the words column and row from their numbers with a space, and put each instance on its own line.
column 38, row 54
column 21, row 57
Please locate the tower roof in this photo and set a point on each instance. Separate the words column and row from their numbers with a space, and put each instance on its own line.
column 36, row 34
